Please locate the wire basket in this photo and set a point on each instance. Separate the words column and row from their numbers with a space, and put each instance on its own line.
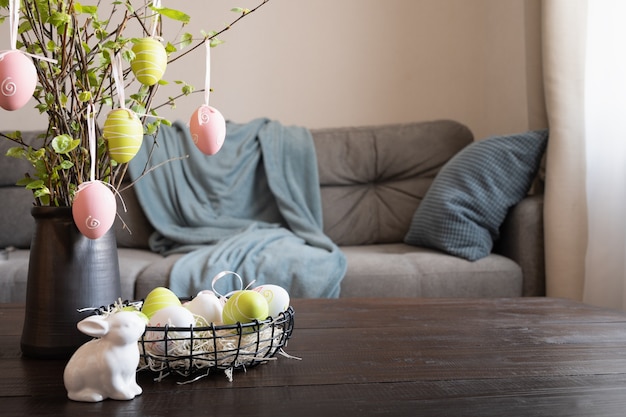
column 191, row 351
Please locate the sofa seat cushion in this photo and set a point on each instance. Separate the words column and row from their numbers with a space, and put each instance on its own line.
column 133, row 263
column 400, row 270
column 156, row 274
column 13, row 273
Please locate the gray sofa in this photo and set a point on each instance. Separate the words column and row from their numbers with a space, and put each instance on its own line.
column 371, row 179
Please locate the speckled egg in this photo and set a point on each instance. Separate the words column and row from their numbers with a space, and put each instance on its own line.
column 18, row 79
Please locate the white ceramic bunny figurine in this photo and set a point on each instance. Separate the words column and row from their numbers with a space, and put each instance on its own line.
column 105, row 367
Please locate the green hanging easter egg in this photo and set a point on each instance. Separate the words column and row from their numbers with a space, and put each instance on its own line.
column 124, row 133
column 150, row 61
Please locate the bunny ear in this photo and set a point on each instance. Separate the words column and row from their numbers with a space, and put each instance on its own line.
column 94, row 326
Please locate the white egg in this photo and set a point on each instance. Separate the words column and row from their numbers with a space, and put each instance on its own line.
column 277, row 298
column 207, row 305
column 174, row 316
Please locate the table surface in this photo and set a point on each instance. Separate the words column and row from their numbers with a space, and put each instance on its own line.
column 439, row 357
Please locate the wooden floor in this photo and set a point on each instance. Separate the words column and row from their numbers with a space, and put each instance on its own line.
column 370, row 357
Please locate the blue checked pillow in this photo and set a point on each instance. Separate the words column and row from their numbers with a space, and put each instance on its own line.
column 467, row 202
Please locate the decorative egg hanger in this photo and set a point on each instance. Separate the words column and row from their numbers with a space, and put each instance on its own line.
column 150, row 59
column 122, row 128
column 18, row 75
column 207, row 125
column 94, row 205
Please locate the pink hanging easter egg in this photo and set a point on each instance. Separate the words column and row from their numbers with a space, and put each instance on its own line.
column 208, row 129
column 94, row 209
column 18, row 79
column 124, row 132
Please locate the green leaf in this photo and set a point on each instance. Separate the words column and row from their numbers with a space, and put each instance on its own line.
column 186, row 40
column 59, row 19
column 63, row 144
column 172, row 14
column 128, row 55
column 35, row 184
column 16, row 152
column 42, row 192
column 187, row 89
column 215, row 41
column 79, row 8
column 24, row 181
column 66, row 164
column 208, row 34
column 169, row 48
column 84, row 96
column 240, row 10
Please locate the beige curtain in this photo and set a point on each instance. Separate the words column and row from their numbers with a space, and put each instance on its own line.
column 584, row 71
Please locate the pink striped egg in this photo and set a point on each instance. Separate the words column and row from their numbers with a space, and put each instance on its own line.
column 208, row 129
column 124, row 132
column 94, row 209
column 150, row 61
column 18, row 79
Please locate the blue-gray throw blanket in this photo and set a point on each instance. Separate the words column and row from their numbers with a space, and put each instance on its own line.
column 253, row 208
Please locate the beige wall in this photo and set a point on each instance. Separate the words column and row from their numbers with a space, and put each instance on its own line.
column 324, row 63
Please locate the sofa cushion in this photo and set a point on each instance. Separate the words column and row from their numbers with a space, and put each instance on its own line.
column 469, row 199
column 399, row 270
column 16, row 222
column 373, row 178
column 13, row 274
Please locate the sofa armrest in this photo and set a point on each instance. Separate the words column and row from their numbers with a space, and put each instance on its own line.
column 521, row 239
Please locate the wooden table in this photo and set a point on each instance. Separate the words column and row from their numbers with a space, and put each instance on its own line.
column 365, row 357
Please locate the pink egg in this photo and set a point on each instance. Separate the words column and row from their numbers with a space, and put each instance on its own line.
column 208, row 129
column 18, row 79
column 94, row 209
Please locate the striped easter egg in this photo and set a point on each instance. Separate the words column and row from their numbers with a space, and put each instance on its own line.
column 149, row 62
column 245, row 306
column 157, row 299
column 124, row 133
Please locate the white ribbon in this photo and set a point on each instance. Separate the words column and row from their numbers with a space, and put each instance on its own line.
column 207, row 75
column 116, row 66
column 14, row 21
column 91, row 133
column 222, row 275
column 155, row 20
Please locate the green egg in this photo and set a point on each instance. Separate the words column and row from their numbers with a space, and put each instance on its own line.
column 150, row 61
column 124, row 133
column 158, row 299
column 244, row 307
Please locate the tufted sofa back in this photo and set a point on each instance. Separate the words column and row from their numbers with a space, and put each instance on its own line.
column 373, row 178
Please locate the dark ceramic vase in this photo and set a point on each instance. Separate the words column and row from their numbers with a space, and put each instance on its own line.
column 67, row 272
